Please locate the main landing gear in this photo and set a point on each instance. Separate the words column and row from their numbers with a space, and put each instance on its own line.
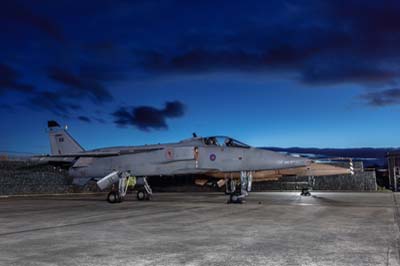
column 238, row 191
column 144, row 192
column 118, row 192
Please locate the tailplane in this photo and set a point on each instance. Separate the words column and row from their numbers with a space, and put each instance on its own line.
column 61, row 142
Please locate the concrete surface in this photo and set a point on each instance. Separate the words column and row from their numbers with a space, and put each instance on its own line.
column 276, row 228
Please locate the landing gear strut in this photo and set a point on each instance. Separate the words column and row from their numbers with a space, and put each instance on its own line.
column 237, row 192
column 145, row 192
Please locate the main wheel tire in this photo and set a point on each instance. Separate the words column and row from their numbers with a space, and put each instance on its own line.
column 112, row 197
column 141, row 195
column 235, row 199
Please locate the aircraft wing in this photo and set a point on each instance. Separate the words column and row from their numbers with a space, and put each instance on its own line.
column 99, row 153
column 84, row 154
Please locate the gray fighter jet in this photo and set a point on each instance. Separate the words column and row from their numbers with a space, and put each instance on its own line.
column 113, row 166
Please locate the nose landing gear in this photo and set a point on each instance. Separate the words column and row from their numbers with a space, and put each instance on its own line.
column 237, row 192
column 306, row 191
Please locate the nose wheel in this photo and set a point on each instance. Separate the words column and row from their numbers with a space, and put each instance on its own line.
column 305, row 192
column 234, row 198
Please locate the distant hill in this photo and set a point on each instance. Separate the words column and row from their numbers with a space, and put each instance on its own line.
column 370, row 156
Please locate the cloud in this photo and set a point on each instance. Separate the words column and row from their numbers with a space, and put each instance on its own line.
column 327, row 42
column 341, row 71
column 62, row 102
column 173, row 109
column 9, row 80
column 18, row 13
column 201, row 60
column 84, row 119
column 6, row 107
column 313, row 39
column 100, row 48
column 147, row 117
column 99, row 120
column 321, row 42
column 382, row 98
column 53, row 101
column 58, row 102
column 80, row 86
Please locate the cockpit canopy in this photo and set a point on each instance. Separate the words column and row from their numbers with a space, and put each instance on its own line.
column 224, row 141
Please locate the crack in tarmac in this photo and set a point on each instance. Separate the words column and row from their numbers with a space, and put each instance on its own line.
column 396, row 214
column 91, row 222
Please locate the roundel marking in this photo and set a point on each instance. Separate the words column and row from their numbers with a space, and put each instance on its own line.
column 213, row 157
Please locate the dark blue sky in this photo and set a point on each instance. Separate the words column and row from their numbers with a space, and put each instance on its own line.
column 270, row 73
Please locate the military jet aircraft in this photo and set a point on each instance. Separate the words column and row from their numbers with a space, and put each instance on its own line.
column 196, row 155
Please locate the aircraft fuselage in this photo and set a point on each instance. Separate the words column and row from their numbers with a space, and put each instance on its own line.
column 187, row 157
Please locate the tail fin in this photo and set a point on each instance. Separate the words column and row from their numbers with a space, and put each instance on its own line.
column 61, row 142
